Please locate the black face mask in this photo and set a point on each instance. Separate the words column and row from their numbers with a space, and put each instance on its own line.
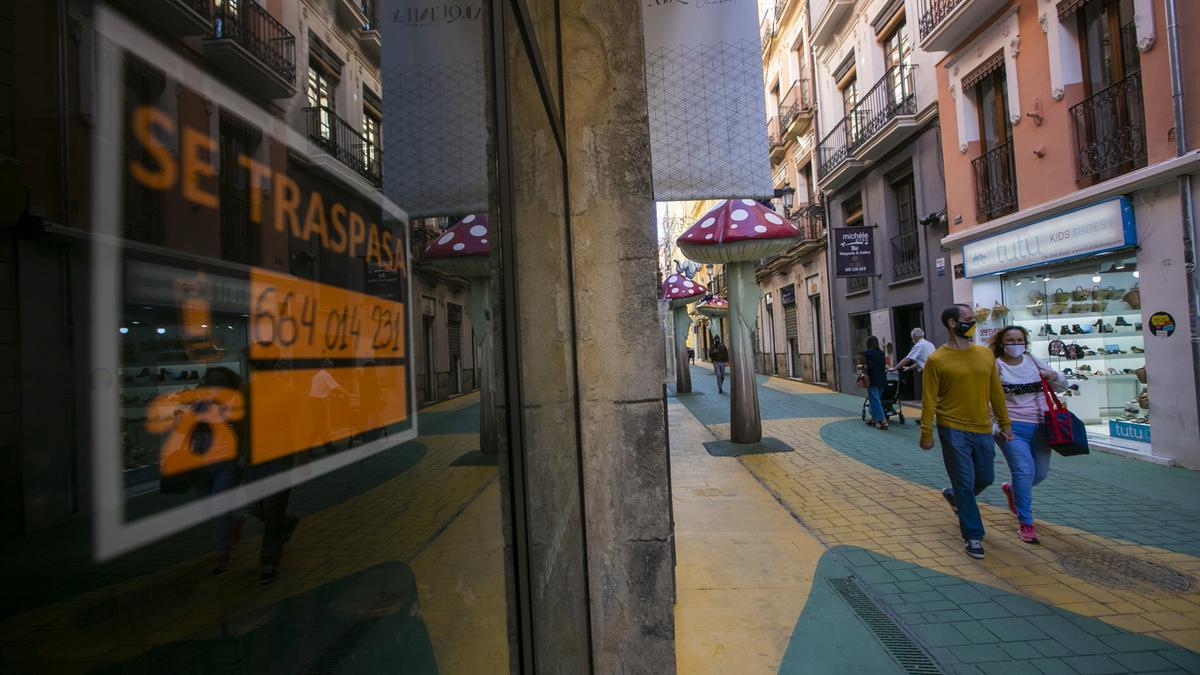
column 965, row 329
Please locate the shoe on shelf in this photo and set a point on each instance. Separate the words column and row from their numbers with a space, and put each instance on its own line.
column 1138, row 326
column 1028, row 534
column 974, row 548
column 948, row 495
column 1008, row 493
column 1122, row 322
column 1137, row 350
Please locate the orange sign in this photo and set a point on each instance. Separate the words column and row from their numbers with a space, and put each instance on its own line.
column 300, row 319
column 307, row 408
column 197, row 423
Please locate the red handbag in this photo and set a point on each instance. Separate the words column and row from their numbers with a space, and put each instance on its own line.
column 1065, row 432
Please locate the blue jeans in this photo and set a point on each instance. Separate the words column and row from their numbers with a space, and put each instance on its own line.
column 719, row 367
column 873, row 396
column 1028, row 455
column 969, row 457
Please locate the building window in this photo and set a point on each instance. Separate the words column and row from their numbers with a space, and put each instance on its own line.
column 239, row 238
column 371, row 136
column 321, row 87
column 1107, row 43
column 994, row 172
column 897, row 50
column 906, row 245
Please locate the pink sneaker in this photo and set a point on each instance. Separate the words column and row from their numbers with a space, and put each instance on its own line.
column 1012, row 505
column 1029, row 534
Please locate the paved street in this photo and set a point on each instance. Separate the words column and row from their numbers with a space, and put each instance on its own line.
column 1111, row 589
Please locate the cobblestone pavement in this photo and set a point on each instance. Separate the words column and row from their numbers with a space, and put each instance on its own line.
column 1111, row 589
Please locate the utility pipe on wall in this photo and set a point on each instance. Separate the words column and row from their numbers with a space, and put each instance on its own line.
column 1187, row 205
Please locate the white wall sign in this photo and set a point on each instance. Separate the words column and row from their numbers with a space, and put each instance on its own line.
column 1100, row 227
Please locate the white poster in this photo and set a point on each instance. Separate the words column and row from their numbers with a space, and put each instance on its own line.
column 881, row 327
column 705, row 97
column 434, row 96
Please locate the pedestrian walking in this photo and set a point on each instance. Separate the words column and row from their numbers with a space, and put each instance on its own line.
column 1028, row 450
column 876, row 369
column 919, row 354
column 961, row 381
column 720, row 358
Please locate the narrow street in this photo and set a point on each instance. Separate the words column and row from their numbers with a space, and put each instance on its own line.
column 868, row 572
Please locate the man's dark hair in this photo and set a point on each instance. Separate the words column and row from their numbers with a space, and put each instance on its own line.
column 952, row 312
column 872, row 342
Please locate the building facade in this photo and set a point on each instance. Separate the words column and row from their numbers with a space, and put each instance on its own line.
column 879, row 167
column 794, row 330
column 1068, row 175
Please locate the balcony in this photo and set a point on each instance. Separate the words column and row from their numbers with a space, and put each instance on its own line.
column 885, row 117
column 1110, row 131
column 812, row 238
column 336, row 137
column 945, row 24
column 995, row 183
column 906, row 256
column 253, row 48
column 827, row 17
column 796, row 109
column 767, row 29
column 179, row 18
column 774, row 139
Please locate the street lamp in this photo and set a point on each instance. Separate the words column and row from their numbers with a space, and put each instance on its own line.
column 785, row 193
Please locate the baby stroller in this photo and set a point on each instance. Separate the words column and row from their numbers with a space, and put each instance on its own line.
column 890, row 398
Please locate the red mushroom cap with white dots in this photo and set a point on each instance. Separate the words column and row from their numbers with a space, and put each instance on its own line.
column 713, row 305
column 738, row 230
column 678, row 290
column 464, row 248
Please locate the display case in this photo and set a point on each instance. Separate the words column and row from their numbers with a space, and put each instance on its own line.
column 1085, row 320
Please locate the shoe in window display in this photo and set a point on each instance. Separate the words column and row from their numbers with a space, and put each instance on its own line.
column 1122, row 322
column 1137, row 350
column 1138, row 326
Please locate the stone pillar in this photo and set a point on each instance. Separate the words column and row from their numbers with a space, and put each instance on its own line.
column 627, row 497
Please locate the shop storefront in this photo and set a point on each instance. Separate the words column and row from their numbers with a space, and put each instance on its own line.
column 1074, row 282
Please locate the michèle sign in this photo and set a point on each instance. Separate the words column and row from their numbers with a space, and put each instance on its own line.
column 1100, row 227
column 854, row 252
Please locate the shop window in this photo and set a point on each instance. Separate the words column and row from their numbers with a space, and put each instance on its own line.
column 1085, row 320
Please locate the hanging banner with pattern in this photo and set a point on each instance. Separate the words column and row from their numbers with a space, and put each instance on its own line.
column 704, row 88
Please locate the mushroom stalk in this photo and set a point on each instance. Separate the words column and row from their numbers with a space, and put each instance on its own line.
column 745, row 420
column 479, row 307
column 683, row 372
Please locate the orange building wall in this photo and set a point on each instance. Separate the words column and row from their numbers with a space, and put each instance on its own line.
column 1040, row 179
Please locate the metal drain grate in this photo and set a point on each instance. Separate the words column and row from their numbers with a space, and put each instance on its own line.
column 907, row 653
column 1125, row 571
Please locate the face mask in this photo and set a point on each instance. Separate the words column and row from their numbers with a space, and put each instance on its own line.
column 965, row 329
column 1014, row 350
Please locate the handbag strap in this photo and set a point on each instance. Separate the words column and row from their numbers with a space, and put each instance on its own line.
column 1049, row 394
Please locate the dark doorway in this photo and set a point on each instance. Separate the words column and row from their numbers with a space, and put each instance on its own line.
column 430, row 374
column 904, row 320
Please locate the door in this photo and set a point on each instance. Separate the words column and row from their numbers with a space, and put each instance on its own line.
column 430, row 373
column 818, row 341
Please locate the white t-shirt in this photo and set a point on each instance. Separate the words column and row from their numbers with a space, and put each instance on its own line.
column 920, row 352
column 1030, row 406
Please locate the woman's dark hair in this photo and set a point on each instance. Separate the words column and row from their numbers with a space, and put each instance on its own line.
column 220, row 376
column 872, row 342
column 996, row 344
column 952, row 312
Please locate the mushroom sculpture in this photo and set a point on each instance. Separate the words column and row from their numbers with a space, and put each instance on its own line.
column 465, row 249
column 714, row 307
column 736, row 233
column 679, row 292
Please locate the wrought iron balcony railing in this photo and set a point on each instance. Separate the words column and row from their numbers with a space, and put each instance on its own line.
column 257, row 32
column 906, row 256
column 893, row 95
column 932, row 12
column 995, row 182
column 767, row 28
column 774, row 139
column 1110, row 130
column 856, row 285
column 335, row 136
column 797, row 98
column 780, row 8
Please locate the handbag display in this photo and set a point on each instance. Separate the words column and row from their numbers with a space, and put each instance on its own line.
column 1057, row 347
column 1080, row 294
column 999, row 309
column 1099, row 293
column 1066, row 433
column 1099, row 306
column 1058, row 307
column 1060, row 296
column 1140, row 374
column 1133, row 297
column 1037, row 297
column 1112, row 293
column 982, row 313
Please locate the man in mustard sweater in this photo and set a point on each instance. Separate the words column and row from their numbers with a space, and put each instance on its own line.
column 960, row 382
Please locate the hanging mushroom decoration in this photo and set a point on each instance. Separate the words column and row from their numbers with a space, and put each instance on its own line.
column 736, row 233
column 715, row 308
column 464, row 249
column 679, row 292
